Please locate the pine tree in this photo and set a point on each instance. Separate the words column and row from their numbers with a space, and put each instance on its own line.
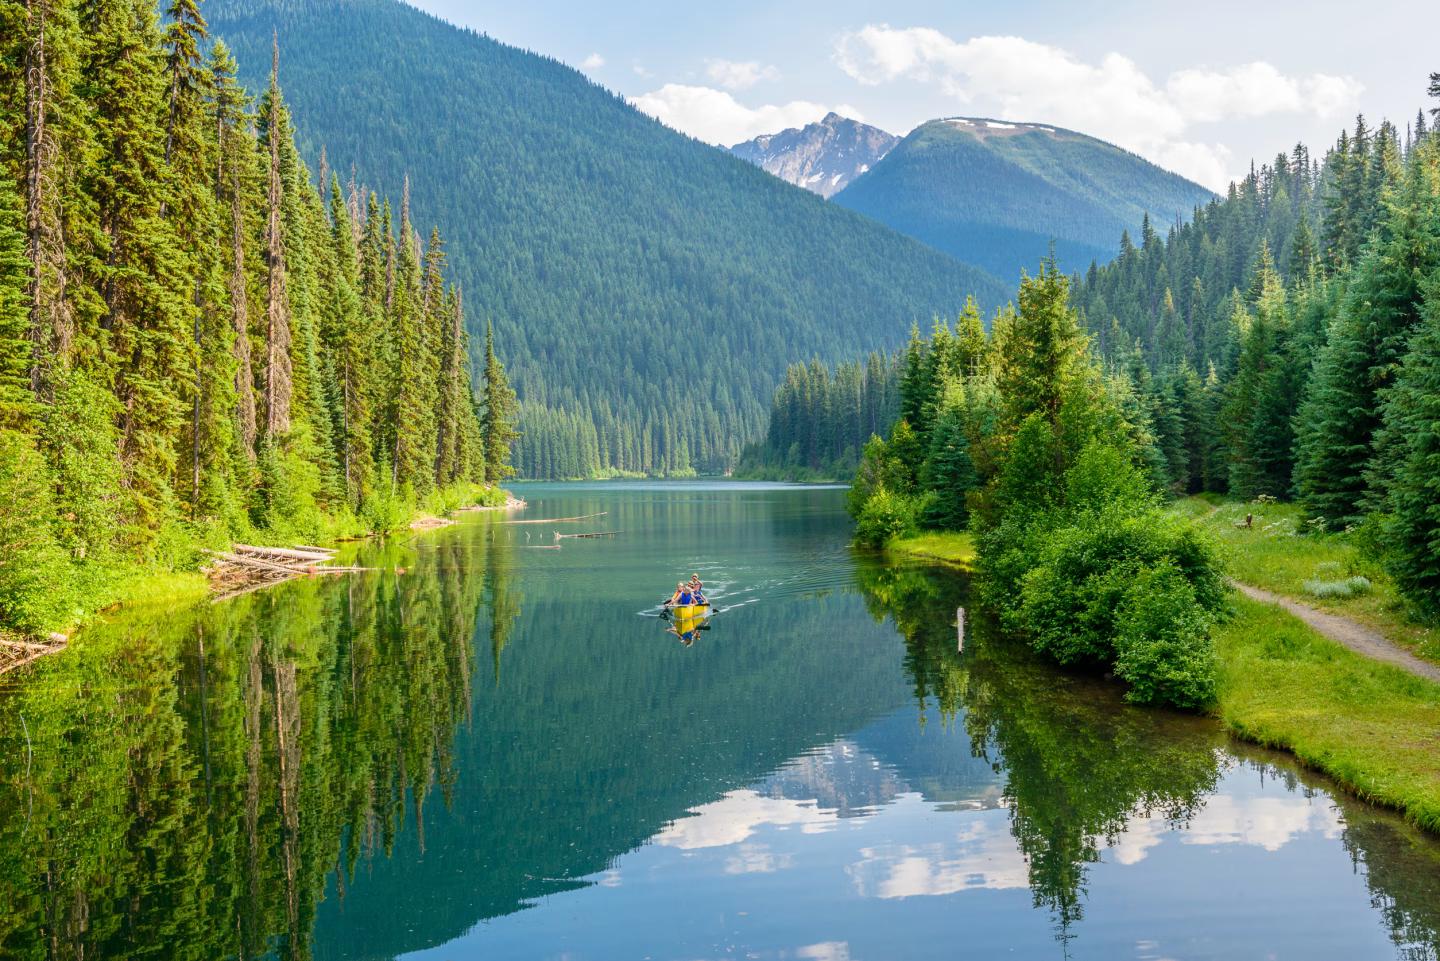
column 277, row 371
column 1412, row 416
column 497, row 415
column 949, row 473
column 414, row 451
column 1042, row 351
column 1341, row 411
column 145, row 326
column 17, row 400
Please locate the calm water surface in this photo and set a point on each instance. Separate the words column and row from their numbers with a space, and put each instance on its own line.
column 501, row 753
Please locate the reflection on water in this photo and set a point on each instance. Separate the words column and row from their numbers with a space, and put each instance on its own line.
column 495, row 756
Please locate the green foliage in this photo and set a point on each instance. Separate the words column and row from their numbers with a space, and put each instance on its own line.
column 887, row 514
column 1410, row 530
column 1163, row 648
column 953, row 185
column 820, row 420
column 35, row 576
column 1368, row 340
column 948, row 473
column 16, row 400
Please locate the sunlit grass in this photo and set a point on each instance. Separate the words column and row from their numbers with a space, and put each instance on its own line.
column 1281, row 553
column 957, row 549
column 1373, row 727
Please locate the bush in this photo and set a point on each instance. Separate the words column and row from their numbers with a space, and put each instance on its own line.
column 1071, row 599
column 886, row 515
column 1162, row 641
column 36, row 589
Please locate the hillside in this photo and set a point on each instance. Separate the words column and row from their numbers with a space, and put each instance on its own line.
column 996, row 193
column 647, row 290
column 824, row 157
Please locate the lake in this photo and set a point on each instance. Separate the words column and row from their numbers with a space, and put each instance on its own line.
column 503, row 753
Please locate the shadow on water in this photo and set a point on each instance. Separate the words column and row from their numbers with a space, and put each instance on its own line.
column 365, row 768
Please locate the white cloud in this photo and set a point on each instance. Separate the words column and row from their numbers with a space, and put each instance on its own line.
column 1113, row 99
column 592, row 62
column 736, row 816
column 983, row 855
column 736, row 75
column 1265, row 822
column 716, row 117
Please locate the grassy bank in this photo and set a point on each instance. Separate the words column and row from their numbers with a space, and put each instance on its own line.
column 953, row 549
column 1282, row 554
column 1372, row 727
column 170, row 573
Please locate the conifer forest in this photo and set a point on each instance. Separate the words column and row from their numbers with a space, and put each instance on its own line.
column 200, row 336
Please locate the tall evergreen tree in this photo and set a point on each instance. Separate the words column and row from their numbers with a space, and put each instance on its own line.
column 497, row 414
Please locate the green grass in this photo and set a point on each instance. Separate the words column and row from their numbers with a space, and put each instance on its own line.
column 1372, row 727
column 955, row 549
column 1280, row 553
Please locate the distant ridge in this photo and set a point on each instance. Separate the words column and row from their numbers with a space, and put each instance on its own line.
column 997, row 193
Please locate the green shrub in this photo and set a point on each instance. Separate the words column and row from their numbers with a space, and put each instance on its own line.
column 1070, row 599
column 886, row 515
column 36, row 587
column 1162, row 640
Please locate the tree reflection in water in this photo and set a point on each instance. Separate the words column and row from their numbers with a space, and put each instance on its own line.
column 1081, row 766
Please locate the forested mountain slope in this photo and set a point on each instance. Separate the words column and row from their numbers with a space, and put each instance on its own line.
column 995, row 193
column 647, row 290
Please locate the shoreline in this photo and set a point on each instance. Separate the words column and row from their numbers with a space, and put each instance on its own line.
column 137, row 588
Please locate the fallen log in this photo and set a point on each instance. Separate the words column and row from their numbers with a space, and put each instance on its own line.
column 256, row 563
column 282, row 552
column 559, row 536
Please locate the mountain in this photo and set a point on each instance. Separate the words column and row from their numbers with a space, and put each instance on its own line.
column 647, row 290
column 996, row 193
column 824, row 156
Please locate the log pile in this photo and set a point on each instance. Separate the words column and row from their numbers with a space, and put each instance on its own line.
column 246, row 568
column 17, row 653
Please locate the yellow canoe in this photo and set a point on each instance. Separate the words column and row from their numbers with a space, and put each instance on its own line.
column 685, row 612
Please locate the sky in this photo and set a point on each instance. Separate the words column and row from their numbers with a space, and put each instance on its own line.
column 1202, row 88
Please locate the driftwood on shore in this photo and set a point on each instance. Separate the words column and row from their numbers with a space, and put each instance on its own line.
column 15, row 653
column 245, row 567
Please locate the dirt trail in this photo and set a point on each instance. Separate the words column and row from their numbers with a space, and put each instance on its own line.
column 1342, row 630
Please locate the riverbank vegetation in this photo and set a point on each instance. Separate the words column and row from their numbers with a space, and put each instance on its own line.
column 1079, row 765
column 1285, row 344
column 200, row 338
